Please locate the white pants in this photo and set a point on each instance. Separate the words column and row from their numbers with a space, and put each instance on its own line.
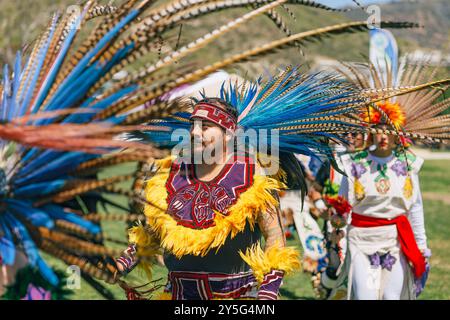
column 367, row 284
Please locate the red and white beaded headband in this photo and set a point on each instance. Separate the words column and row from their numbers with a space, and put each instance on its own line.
column 213, row 113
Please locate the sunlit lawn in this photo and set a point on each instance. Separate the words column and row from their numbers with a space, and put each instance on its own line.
column 435, row 178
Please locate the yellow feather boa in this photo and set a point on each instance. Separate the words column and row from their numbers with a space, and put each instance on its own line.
column 180, row 240
column 274, row 258
column 147, row 247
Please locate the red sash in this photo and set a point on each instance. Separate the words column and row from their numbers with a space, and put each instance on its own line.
column 406, row 238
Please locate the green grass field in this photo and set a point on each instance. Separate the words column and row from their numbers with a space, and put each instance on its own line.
column 435, row 179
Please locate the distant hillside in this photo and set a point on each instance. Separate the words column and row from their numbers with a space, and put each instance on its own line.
column 434, row 15
column 21, row 21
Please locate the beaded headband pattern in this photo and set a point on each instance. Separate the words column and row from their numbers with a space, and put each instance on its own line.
column 213, row 113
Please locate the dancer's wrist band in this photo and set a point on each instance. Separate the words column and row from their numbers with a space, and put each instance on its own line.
column 128, row 260
column 270, row 286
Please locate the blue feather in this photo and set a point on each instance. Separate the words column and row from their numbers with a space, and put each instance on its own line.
column 40, row 189
column 57, row 212
column 83, row 63
column 47, row 272
column 7, row 247
column 16, row 83
column 36, row 216
column 33, row 161
column 59, row 60
column 59, row 167
column 5, row 97
column 24, row 83
column 31, row 250
column 78, row 88
column 100, row 105
column 24, row 238
column 37, row 68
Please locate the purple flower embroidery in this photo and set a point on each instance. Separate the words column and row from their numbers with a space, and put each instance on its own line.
column 37, row 293
column 374, row 260
column 358, row 170
column 388, row 261
column 399, row 167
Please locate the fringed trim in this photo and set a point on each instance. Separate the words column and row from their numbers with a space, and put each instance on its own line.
column 286, row 259
column 180, row 240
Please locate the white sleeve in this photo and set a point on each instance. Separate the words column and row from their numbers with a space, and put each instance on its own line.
column 416, row 216
column 343, row 189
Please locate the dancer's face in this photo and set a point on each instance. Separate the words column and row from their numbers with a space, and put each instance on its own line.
column 359, row 141
column 355, row 141
column 351, row 142
column 206, row 135
column 384, row 142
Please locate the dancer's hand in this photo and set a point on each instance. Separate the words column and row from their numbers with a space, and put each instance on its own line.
column 120, row 267
column 315, row 280
column 309, row 265
column 420, row 282
column 320, row 291
column 336, row 236
column 426, row 253
column 326, row 214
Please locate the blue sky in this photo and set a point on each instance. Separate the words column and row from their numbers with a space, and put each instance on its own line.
column 342, row 3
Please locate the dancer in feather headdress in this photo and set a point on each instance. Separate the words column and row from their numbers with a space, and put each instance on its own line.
column 214, row 201
column 387, row 256
column 59, row 100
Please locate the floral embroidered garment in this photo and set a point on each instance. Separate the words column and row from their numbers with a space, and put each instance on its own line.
column 382, row 187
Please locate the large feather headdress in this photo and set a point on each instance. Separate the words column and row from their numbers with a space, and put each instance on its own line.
column 57, row 116
column 411, row 101
column 305, row 111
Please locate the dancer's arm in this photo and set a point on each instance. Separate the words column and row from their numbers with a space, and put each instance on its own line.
column 343, row 189
column 416, row 217
column 128, row 260
column 271, row 227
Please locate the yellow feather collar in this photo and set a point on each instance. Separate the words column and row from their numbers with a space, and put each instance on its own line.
column 180, row 240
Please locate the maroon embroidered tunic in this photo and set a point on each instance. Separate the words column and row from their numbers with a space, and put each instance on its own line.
column 193, row 202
